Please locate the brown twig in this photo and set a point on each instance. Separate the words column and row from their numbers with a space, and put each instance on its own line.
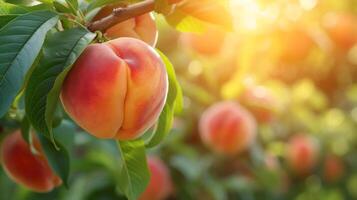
column 124, row 13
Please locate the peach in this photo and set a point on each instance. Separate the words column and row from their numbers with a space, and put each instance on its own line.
column 207, row 43
column 260, row 102
column 142, row 27
column 160, row 185
column 333, row 168
column 342, row 29
column 227, row 128
column 116, row 89
column 26, row 168
column 302, row 154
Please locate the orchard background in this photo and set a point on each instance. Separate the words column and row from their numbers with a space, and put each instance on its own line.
column 210, row 99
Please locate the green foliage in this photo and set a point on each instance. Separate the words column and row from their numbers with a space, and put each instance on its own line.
column 192, row 16
column 4, row 19
column 21, row 40
column 173, row 103
column 44, row 85
column 134, row 174
column 58, row 158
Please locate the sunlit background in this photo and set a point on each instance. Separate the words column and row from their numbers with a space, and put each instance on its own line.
column 292, row 64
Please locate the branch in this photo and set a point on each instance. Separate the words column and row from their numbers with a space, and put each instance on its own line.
column 124, row 13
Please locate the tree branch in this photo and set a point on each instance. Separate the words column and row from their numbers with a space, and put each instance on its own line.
column 124, row 13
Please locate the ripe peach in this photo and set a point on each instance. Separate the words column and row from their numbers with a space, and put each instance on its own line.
column 227, row 128
column 26, row 168
column 260, row 102
column 116, row 89
column 142, row 27
column 302, row 154
column 207, row 43
column 333, row 168
column 342, row 29
column 160, row 185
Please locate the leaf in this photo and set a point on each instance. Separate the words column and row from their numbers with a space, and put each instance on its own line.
column 173, row 100
column 185, row 23
column 25, row 128
column 73, row 6
column 72, row 3
column 163, row 7
column 211, row 11
column 7, row 8
column 20, row 42
column 5, row 19
column 65, row 133
column 60, row 7
column 134, row 174
column 60, row 51
column 58, row 159
column 99, row 3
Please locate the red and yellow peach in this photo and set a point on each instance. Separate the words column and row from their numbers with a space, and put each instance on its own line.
column 116, row 89
column 227, row 128
column 26, row 168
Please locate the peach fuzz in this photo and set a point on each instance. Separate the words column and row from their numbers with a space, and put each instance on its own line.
column 25, row 167
column 160, row 185
column 142, row 27
column 227, row 128
column 207, row 43
column 302, row 154
column 116, row 89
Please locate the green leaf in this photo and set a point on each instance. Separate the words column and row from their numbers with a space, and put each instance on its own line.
column 174, row 96
column 46, row 1
column 7, row 8
column 60, row 7
column 72, row 3
column 58, row 159
column 163, row 7
column 163, row 126
column 134, row 174
column 211, row 11
column 25, row 128
column 60, row 51
column 99, row 3
column 65, row 133
column 20, row 42
column 173, row 102
column 185, row 23
column 5, row 19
